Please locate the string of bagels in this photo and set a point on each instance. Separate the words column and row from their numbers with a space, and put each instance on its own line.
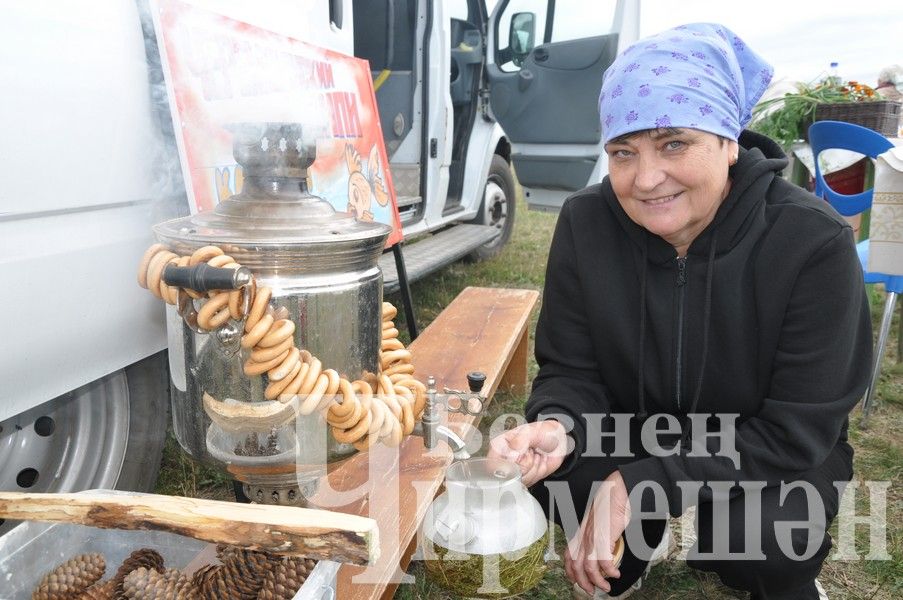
column 381, row 407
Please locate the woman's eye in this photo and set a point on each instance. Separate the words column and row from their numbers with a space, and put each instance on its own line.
column 674, row 145
column 620, row 153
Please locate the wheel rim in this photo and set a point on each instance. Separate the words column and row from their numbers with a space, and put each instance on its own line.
column 74, row 442
column 495, row 206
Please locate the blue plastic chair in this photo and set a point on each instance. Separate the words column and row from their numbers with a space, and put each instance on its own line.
column 825, row 135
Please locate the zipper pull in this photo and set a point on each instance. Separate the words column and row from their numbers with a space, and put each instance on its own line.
column 681, row 270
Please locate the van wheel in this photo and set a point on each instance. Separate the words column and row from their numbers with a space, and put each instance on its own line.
column 497, row 208
column 106, row 434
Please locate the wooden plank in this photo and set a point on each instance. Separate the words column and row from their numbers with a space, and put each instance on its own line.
column 281, row 529
column 483, row 329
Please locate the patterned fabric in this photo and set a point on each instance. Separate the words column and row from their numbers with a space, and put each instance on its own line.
column 886, row 231
column 700, row 76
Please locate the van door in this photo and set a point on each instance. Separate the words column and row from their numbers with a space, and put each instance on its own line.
column 546, row 60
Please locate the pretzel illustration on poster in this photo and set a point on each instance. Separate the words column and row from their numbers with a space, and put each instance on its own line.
column 220, row 72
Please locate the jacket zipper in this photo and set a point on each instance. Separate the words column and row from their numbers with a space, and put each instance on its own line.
column 681, row 286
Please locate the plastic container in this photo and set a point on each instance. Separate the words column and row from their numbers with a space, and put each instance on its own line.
column 32, row 549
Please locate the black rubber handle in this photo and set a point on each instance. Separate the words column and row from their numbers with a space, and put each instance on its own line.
column 475, row 381
column 202, row 277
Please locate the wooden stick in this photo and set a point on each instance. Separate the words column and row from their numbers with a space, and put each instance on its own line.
column 287, row 530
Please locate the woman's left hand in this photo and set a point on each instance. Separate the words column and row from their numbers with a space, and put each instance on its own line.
column 588, row 559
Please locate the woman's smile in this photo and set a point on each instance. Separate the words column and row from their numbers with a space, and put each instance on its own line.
column 661, row 200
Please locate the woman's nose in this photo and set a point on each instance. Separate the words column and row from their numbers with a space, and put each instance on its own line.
column 650, row 172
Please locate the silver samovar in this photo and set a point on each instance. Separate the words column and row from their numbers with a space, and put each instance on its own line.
column 322, row 268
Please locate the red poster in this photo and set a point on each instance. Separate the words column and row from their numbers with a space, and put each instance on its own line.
column 221, row 72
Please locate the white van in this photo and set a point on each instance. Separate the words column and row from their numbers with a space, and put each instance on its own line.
column 90, row 164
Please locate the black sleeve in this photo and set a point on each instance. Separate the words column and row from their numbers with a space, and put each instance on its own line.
column 568, row 383
column 820, row 371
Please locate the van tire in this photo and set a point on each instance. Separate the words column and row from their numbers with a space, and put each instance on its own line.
column 496, row 209
column 106, row 434
column 148, row 421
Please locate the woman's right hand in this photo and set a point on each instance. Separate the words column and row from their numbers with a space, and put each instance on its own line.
column 538, row 448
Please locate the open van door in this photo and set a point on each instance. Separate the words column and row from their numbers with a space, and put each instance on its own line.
column 545, row 64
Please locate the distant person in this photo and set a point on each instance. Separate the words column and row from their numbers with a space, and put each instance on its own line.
column 695, row 291
column 890, row 80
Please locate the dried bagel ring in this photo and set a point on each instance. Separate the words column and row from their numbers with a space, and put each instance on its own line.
column 264, row 354
column 331, row 389
column 286, row 366
column 378, row 412
column 258, row 307
column 203, row 254
column 214, row 313
column 275, row 388
column 256, row 333
column 280, row 330
column 341, row 410
column 387, row 358
column 391, row 344
column 387, row 395
column 252, row 368
column 313, row 374
column 352, row 419
column 221, row 261
column 145, row 263
column 312, row 400
column 406, row 368
column 295, row 384
column 389, row 311
column 155, row 271
column 169, row 293
column 348, row 436
column 393, row 440
column 407, row 419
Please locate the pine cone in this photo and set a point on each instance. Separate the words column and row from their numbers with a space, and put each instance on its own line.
column 242, row 571
column 70, row 578
column 145, row 557
column 285, row 578
column 148, row 584
column 212, row 583
column 100, row 591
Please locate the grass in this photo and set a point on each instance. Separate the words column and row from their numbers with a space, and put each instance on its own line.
column 879, row 451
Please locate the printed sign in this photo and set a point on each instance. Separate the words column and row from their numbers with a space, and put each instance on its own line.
column 220, row 72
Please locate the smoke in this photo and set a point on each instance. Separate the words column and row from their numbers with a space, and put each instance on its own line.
column 170, row 198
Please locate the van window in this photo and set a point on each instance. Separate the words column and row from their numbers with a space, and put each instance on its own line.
column 540, row 9
column 571, row 23
column 384, row 33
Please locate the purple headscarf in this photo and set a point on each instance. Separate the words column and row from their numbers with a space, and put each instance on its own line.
column 701, row 76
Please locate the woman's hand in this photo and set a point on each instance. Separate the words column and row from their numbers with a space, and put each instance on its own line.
column 588, row 559
column 538, row 448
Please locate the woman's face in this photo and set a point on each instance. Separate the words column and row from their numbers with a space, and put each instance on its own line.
column 671, row 181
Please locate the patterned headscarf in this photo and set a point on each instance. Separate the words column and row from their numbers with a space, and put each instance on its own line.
column 701, row 76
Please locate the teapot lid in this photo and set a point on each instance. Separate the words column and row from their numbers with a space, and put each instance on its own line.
column 274, row 206
column 483, row 473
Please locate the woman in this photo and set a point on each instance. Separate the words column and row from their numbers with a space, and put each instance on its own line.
column 695, row 281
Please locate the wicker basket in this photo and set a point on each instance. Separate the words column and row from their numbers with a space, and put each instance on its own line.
column 882, row 116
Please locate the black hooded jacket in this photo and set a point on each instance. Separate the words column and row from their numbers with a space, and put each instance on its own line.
column 766, row 318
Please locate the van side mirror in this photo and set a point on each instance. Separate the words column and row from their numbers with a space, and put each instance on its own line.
column 521, row 36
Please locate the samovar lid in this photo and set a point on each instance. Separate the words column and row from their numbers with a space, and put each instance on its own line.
column 274, row 207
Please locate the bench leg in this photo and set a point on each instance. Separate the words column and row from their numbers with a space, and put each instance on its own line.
column 515, row 376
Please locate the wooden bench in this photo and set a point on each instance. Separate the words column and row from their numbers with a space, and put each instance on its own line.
column 483, row 329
